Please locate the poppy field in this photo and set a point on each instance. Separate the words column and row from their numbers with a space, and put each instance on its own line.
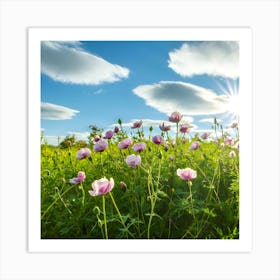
column 127, row 184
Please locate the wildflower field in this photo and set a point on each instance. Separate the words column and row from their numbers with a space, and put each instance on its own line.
column 127, row 185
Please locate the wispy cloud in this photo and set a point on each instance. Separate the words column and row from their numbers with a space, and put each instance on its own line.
column 98, row 91
column 187, row 98
column 155, row 123
column 80, row 135
column 51, row 111
column 209, row 120
column 218, row 58
column 55, row 140
column 69, row 63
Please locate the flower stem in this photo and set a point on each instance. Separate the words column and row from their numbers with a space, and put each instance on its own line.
column 117, row 209
column 190, row 189
column 104, row 215
column 119, row 213
column 177, row 132
column 54, row 202
column 83, row 193
column 153, row 202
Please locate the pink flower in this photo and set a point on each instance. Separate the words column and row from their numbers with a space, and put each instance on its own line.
column 175, row 117
column 109, row 134
column 137, row 124
column 125, row 143
column 96, row 138
column 205, row 135
column 83, row 153
column 186, row 174
column 101, row 186
column 237, row 145
column 194, row 146
column 164, row 127
column 158, row 139
column 100, row 146
column 80, row 178
column 139, row 147
column 229, row 141
column 116, row 129
column 185, row 128
column 232, row 154
column 133, row 160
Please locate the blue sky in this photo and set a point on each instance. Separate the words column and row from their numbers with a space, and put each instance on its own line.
column 96, row 82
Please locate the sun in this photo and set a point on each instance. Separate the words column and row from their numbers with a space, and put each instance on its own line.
column 233, row 106
column 231, row 90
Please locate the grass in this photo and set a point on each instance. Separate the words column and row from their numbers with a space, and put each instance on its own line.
column 149, row 201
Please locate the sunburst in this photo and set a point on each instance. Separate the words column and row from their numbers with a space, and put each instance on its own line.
column 230, row 89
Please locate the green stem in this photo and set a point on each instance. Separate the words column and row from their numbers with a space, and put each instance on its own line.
column 190, row 189
column 117, row 209
column 54, row 202
column 177, row 132
column 153, row 202
column 83, row 193
column 190, row 184
column 104, row 215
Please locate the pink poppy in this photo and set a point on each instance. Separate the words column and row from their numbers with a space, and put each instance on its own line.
column 164, row 127
column 194, row 146
column 133, row 160
column 80, row 178
column 229, row 141
column 96, row 138
column 116, row 129
column 109, row 134
column 237, row 145
column 137, row 124
column 101, row 186
column 232, row 154
column 139, row 147
column 186, row 174
column 83, row 153
column 185, row 128
column 100, row 146
column 158, row 139
column 125, row 143
column 205, row 135
column 175, row 117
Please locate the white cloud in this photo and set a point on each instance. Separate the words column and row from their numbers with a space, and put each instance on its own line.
column 52, row 140
column 98, row 91
column 80, row 135
column 151, row 122
column 146, row 122
column 55, row 140
column 210, row 120
column 67, row 62
column 218, row 58
column 51, row 111
column 188, row 99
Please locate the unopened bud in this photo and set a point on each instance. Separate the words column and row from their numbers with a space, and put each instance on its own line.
column 123, row 185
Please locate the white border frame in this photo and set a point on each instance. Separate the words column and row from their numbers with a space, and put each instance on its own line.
column 260, row 15
column 242, row 35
